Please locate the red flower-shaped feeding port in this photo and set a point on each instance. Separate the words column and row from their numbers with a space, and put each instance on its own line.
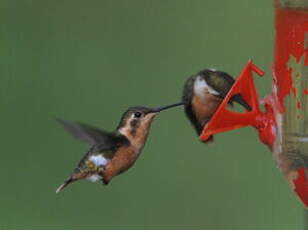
column 271, row 126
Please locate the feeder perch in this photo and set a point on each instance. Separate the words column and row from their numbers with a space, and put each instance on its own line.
column 226, row 120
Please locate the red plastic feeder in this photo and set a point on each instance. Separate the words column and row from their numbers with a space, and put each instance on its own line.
column 226, row 120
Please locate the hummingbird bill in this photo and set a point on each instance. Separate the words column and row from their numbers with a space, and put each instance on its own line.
column 203, row 93
column 111, row 153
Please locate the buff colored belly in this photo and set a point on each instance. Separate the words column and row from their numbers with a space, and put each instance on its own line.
column 204, row 107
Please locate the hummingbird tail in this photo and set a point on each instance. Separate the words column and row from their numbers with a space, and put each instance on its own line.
column 62, row 186
column 239, row 99
column 74, row 177
column 209, row 140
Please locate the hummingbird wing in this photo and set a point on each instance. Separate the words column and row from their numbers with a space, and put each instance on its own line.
column 222, row 83
column 97, row 138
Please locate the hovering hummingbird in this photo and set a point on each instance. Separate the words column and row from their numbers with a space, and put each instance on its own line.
column 203, row 93
column 111, row 153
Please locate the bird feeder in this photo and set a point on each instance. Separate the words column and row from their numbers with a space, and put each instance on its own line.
column 283, row 126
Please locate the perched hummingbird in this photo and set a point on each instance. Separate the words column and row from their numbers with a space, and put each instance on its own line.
column 111, row 153
column 203, row 93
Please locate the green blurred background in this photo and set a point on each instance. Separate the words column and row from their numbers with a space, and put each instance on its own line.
column 89, row 61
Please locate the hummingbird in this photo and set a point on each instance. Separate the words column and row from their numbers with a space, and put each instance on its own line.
column 111, row 153
column 203, row 93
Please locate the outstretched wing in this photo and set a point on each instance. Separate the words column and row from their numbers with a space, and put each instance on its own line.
column 95, row 137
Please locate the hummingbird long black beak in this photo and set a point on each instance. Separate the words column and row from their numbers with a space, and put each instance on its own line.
column 161, row 108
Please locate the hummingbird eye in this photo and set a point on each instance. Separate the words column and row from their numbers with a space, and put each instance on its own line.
column 137, row 114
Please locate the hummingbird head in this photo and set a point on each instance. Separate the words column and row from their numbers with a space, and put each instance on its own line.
column 137, row 120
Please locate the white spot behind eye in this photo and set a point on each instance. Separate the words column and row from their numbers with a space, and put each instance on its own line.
column 200, row 85
column 212, row 69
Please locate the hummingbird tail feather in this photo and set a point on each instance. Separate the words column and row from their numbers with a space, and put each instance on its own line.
column 62, row 186
column 209, row 140
column 239, row 99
